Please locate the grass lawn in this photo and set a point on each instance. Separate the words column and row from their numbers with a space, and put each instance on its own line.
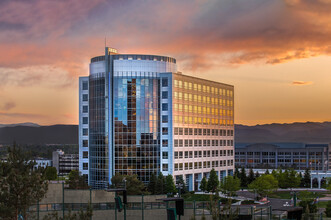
column 287, row 195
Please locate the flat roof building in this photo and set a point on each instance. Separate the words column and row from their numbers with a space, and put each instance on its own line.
column 299, row 156
column 138, row 115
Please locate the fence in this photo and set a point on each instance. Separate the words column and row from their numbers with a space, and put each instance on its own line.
column 151, row 210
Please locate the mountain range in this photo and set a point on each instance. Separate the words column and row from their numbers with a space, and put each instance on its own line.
column 308, row 132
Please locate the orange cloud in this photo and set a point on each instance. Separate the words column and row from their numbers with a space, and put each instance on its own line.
column 301, row 83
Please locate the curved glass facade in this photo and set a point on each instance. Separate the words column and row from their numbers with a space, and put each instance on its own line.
column 137, row 126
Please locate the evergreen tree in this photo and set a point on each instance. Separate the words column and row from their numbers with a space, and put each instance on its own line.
column 133, row 185
column 301, row 180
column 243, row 177
column 267, row 172
column 76, row 181
column 50, row 173
column 251, row 176
column 257, row 175
column 212, row 181
column 237, row 173
column 21, row 185
column 203, row 184
column 294, row 179
column 184, row 187
column 170, row 186
column 152, row 184
column 160, row 184
column 306, row 178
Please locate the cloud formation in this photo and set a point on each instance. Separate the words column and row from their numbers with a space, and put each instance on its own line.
column 301, row 83
column 8, row 106
column 67, row 33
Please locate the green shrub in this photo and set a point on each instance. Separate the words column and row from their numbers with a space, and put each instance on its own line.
column 328, row 209
column 312, row 207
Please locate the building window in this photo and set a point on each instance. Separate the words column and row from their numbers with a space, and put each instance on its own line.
column 85, row 154
column 164, row 143
column 164, row 167
column 164, row 155
column 165, row 131
column 85, row 166
column 164, row 95
column 85, row 85
column 164, row 82
column 85, row 131
column 85, row 109
column 165, row 106
column 85, row 120
column 164, row 118
column 85, row 97
column 85, row 143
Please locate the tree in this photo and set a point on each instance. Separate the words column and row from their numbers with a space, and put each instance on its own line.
column 264, row 185
column 237, row 173
column 328, row 209
column 230, row 185
column 20, row 184
column 76, row 181
column 294, row 179
column 213, row 181
column 307, row 202
column 152, row 184
column 132, row 184
column 306, row 178
column 50, row 173
column 180, row 181
column 203, row 184
column 170, row 186
column 243, row 177
column 160, row 184
column 267, row 172
column 251, row 176
column 257, row 175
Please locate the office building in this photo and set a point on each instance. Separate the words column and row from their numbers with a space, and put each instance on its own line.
column 299, row 156
column 138, row 115
column 64, row 163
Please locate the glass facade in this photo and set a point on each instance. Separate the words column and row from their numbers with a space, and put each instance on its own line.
column 141, row 117
column 137, row 126
column 98, row 146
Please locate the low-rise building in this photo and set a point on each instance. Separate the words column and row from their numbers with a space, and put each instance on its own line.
column 299, row 156
column 64, row 163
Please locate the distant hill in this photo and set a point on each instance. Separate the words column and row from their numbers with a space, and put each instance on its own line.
column 317, row 132
column 30, row 133
column 35, row 134
column 30, row 124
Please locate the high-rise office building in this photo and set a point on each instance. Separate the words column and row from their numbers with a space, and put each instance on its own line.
column 138, row 115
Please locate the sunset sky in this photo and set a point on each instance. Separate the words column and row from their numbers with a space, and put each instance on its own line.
column 275, row 52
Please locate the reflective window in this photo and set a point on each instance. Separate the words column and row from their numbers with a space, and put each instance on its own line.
column 85, row 97
column 85, row 109
column 164, row 94
column 85, row 120
column 85, row 85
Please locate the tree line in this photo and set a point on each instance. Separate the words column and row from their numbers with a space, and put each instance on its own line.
column 288, row 178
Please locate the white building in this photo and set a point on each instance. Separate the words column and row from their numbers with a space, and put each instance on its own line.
column 138, row 115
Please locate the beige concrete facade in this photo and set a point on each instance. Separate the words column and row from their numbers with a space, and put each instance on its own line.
column 203, row 123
